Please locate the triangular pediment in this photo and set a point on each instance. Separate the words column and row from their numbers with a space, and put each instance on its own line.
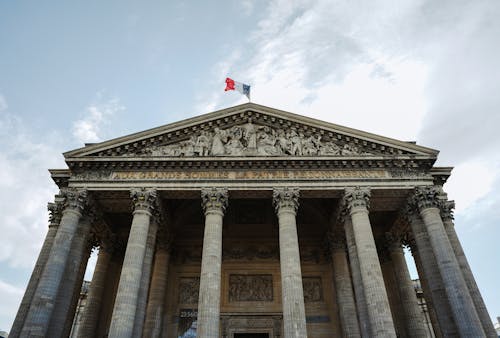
column 251, row 130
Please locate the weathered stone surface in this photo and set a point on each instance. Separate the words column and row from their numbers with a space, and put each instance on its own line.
column 462, row 306
column 124, row 312
column 294, row 317
column 43, row 302
column 214, row 202
column 379, row 313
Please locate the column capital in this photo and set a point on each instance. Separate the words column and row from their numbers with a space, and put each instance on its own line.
column 214, row 199
column 393, row 241
column 144, row 199
column 426, row 197
column 55, row 210
column 286, row 198
column 356, row 197
column 446, row 207
column 75, row 199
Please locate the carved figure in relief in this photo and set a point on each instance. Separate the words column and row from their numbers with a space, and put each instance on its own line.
column 295, row 143
column 250, row 135
column 313, row 291
column 250, row 139
column 202, row 144
column 329, row 148
column 217, row 145
column 243, row 288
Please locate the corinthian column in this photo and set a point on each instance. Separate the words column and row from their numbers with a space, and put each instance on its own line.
column 379, row 313
column 43, row 302
column 461, row 303
column 154, row 312
column 364, row 323
column 447, row 216
column 92, row 307
column 343, row 286
column 214, row 202
column 286, row 203
column 140, row 313
column 55, row 210
column 122, row 320
column 69, row 292
column 414, row 319
column 429, row 274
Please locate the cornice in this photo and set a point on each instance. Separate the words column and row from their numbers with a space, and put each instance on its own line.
column 413, row 163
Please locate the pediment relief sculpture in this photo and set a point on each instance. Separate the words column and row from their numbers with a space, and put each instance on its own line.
column 251, row 139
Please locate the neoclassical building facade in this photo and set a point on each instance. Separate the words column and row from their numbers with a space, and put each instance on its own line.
column 252, row 222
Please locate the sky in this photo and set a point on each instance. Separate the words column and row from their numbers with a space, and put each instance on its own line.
column 86, row 71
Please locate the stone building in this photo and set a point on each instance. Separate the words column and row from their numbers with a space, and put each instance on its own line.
column 251, row 222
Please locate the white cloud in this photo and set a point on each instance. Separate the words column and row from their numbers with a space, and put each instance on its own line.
column 470, row 182
column 11, row 297
column 89, row 128
column 26, row 189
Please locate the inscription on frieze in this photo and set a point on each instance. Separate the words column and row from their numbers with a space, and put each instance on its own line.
column 250, row 288
column 188, row 290
column 313, row 290
column 247, row 174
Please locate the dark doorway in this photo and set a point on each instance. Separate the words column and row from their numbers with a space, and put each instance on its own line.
column 251, row 335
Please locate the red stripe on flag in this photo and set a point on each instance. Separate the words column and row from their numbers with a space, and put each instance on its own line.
column 229, row 84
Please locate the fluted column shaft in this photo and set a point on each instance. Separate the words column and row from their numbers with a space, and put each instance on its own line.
column 154, row 312
column 414, row 320
column 364, row 323
column 294, row 314
column 343, row 288
column 122, row 320
column 145, row 281
column 379, row 313
column 92, row 307
column 69, row 292
column 214, row 202
column 43, row 302
column 482, row 311
column 55, row 218
column 461, row 303
column 434, row 330
column 425, row 258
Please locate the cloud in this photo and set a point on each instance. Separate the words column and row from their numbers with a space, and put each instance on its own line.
column 89, row 128
column 11, row 297
column 3, row 103
column 26, row 189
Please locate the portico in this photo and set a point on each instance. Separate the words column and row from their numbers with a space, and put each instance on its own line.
column 252, row 222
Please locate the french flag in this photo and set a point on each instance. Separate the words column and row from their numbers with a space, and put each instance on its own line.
column 241, row 87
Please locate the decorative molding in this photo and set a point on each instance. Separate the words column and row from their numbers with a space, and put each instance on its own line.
column 214, row 199
column 144, row 199
column 250, row 288
column 286, row 198
column 250, row 252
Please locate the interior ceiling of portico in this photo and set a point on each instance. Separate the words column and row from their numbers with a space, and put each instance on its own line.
column 249, row 218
